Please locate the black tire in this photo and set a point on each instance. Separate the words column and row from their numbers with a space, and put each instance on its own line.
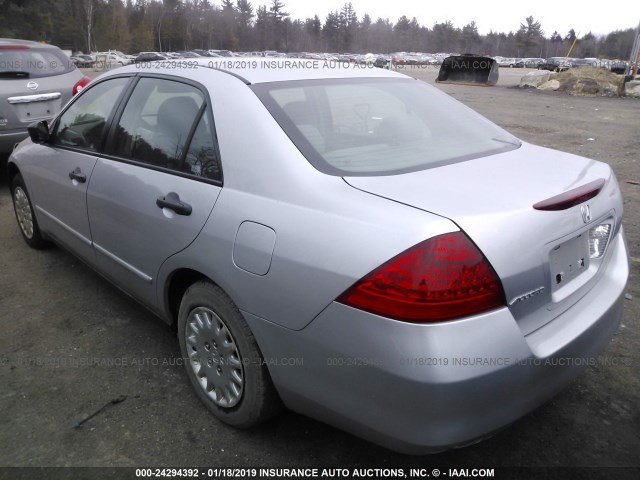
column 25, row 216
column 258, row 400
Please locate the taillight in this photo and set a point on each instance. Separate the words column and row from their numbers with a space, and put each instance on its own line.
column 83, row 82
column 442, row 278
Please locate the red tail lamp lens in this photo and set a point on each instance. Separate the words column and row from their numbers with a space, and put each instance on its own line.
column 442, row 278
column 83, row 82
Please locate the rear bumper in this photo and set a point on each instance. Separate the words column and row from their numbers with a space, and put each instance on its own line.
column 425, row 388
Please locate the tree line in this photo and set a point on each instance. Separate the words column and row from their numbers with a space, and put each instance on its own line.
column 175, row 25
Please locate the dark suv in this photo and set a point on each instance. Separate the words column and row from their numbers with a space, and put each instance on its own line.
column 149, row 57
column 555, row 64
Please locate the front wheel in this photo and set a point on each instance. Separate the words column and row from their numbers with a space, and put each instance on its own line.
column 24, row 214
column 223, row 361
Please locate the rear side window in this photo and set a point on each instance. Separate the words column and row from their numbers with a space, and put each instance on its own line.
column 202, row 155
column 33, row 62
column 157, row 123
column 82, row 124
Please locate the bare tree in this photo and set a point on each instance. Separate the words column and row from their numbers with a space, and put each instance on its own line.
column 89, row 7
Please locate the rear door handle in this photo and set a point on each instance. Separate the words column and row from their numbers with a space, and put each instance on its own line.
column 172, row 201
column 77, row 175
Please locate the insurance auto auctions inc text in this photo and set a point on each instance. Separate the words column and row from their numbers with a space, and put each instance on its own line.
column 368, row 472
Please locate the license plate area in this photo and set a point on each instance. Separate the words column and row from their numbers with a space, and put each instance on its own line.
column 569, row 260
column 28, row 112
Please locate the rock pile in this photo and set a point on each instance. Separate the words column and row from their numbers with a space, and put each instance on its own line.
column 582, row 81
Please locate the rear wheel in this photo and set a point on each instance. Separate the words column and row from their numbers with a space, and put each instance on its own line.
column 24, row 214
column 223, row 360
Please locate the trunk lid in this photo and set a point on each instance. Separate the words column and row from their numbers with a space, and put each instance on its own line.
column 536, row 254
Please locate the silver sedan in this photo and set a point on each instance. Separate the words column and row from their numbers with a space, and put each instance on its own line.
column 345, row 241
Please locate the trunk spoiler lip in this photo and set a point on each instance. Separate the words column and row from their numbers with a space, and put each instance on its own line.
column 572, row 197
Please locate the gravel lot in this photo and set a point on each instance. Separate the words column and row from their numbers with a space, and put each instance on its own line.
column 56, row 314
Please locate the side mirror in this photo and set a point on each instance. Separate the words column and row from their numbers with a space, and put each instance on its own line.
column 39, row 132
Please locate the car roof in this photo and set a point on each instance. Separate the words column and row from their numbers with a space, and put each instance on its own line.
column 266, row 70
column 26, row 43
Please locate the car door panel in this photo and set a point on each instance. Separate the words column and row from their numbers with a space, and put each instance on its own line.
column 60, row 201
column 156, row 184
column 62, row 168
column 132, row 235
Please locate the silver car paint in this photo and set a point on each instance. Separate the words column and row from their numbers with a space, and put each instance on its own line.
column 131, row 234
column 357, row 370
column 492, row 202
column 309, row 212
column 253, row 248
column 60, row 203
column 388, row 382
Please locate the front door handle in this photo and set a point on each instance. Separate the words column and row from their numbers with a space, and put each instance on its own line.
column 172, row 201
column 77, row 175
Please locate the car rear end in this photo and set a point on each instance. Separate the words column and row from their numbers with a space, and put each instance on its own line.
column 36, row 81
column 562, row 264
column 462, row 333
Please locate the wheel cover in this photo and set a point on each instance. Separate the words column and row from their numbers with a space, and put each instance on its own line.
column 23, row 211
column 214, row 357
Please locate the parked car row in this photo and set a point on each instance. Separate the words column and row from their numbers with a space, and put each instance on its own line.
column 398, row 58
column 112, row 57
column 560, row 64
column 556, row 64
column 117, row 58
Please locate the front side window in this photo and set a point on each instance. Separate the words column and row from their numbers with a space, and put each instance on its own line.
column 83, row 123
column 157, row 124
column 366, row 126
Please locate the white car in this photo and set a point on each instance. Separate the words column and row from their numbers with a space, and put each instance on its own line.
column 116, row 58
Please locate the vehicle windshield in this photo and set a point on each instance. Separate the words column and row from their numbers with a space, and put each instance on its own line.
column 363, row 126
column 33, row 62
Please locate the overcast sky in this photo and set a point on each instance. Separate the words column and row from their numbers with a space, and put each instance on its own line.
column 561, row 15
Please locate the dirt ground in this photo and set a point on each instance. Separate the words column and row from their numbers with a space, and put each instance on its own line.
column 57, row 315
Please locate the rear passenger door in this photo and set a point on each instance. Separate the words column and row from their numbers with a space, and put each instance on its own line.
column 154, row 188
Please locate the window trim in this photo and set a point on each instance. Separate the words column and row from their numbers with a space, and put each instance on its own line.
column 106, row 153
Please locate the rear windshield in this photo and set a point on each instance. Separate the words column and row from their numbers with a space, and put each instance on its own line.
column 33, row 62
column 364, row 126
